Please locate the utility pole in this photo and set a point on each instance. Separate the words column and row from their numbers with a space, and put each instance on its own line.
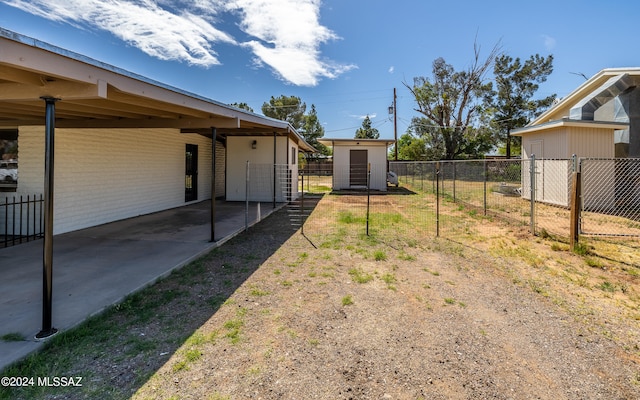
column 392, row 109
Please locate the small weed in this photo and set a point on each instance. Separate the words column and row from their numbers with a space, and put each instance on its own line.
column 277, row 272
column 607, row 286
column 434, row 273
column 193, row 355
column 258, row 293
column 389, row 279
column 449, row 300
column 287, row 283
column 347, row 300
column 593, row 262
column 314, row 342
column 12, row 337
column 380, row 255
column 359, row 276
column 406, row 257
column 581, row 249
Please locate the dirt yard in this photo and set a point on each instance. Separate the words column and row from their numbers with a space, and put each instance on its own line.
column 501, row 315
column 490, row 312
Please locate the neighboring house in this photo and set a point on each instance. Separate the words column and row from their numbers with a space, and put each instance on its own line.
column 126, row 145
column 600, row 119
column 351, row 161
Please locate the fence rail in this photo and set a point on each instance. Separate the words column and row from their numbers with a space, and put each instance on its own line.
column 21, row 219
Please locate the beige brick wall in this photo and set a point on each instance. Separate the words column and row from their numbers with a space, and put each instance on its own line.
column 104, row 175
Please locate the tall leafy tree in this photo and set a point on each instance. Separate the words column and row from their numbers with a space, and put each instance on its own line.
column 312, row 130
column 366, row 131
column 516, row 85
column 286, row 108
column 452, row 102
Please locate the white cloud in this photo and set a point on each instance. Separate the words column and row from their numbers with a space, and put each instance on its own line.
column 549, row 42
column 284, row 34
column 371, row 116
column 392, row 69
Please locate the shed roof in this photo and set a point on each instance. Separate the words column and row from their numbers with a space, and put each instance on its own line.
column 93, row 94
column 354, row 142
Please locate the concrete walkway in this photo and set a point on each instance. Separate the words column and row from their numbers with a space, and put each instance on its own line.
column 97, row 267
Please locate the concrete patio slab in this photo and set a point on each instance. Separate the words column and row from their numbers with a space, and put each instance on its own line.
column 97, row 267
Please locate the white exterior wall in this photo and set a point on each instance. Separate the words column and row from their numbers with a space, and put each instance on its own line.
column 552, row 175
column 104, row 175
column 260, row 159
column 376, row 156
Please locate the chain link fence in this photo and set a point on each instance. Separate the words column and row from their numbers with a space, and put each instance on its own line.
column 610, row 197
column 536, row 195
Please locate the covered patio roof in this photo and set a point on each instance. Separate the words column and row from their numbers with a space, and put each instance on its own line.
column 92, row 94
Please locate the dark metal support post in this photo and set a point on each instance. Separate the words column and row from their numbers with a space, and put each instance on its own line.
column 47, row 262
column 213, row 184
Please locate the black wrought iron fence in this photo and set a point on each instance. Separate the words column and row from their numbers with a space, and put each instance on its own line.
column 21, row 219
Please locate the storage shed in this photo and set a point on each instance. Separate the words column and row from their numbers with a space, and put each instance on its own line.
column 600, row 119
column 351, row 160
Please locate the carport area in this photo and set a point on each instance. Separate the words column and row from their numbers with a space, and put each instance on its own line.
column 97, row 267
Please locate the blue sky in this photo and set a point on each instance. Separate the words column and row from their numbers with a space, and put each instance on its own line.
column 344, row 56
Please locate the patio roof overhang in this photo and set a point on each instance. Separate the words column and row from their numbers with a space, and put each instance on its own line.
column 47, row 86
column 92, row 94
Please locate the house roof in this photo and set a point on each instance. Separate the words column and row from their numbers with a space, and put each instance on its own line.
column 93, row 94
column 576, row 109
column 567, row 122
column 354, row 142
column 563, row 107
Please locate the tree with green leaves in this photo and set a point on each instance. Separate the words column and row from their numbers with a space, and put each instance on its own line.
column 366, row 131
column 286, row 108
column 242, row 106
column 312, row 130
column 512, row 102
column 452, row 103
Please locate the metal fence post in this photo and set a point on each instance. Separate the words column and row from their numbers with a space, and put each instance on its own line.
column 532, row 185
column 484, row 194
column 246, row 199
column 576, row 188
column 437, row 165
column 302, row 221
column 368, row 194
column 454, row 182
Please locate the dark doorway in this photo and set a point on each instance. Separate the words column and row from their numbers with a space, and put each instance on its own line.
column 191, row 173
column 358, row 168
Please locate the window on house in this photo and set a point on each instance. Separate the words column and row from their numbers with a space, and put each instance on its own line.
column 294, row 155
column 8, row 160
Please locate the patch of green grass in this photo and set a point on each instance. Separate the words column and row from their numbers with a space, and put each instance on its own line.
column 406, row 257
column 389, row 278
column 347, row 300
column 593, row 262
column 12, row 337
column 450, row 300
column 347, row 217
column 359, row 276
column 379, row 255
column 434, row 273
column 286, row 283
column 258, row 292
column 581, row 249
column 607, row 286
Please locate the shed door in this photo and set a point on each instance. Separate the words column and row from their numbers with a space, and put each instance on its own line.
column 191, row 173
column 358, row 168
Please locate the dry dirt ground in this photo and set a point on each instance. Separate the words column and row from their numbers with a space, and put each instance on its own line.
column 497, row 314
column 484, row 312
